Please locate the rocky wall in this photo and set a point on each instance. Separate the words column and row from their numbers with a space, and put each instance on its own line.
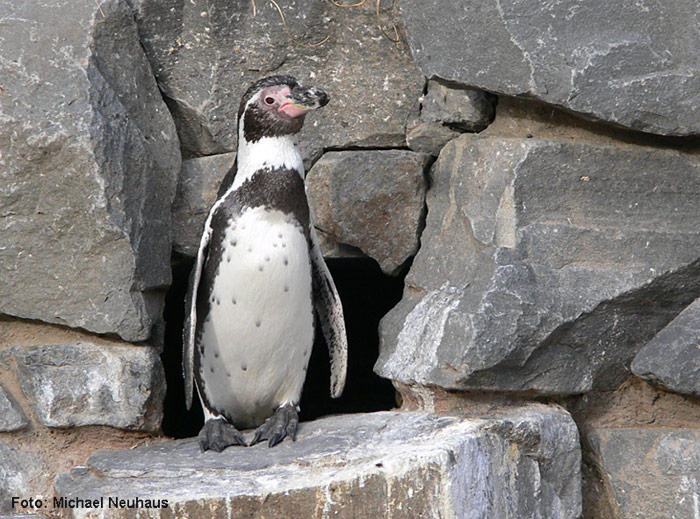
column 532, row 168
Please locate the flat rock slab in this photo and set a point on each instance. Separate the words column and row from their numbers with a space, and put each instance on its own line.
column 544, row 265
column 387, row 464
column 653, row 473
column 78, row 384
column 672, row 358
column 635, row 64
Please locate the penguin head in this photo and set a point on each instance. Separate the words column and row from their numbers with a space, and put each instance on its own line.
column 276, row 106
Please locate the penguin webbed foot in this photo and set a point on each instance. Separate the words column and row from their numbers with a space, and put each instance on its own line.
column 217, row 434
column 280, row 425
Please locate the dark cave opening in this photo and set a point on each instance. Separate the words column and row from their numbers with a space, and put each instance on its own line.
column 367, row 295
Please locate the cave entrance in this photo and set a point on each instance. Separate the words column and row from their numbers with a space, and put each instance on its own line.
column 367, row 295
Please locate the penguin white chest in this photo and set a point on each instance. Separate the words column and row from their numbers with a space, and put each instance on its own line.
column 257, row 339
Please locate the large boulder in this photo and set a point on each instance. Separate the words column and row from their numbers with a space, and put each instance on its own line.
column 545, row 265
column 78, row 384
column 523, row 463
column 672, row 358
column 372, row 200
column 632, row 63
column 206, row 53
column 649, row 473
column 89, row 162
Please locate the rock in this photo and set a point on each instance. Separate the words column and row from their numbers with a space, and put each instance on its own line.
column 11, row 418
column 429, row 137
column 653, row 473
column 464, row 109
column 523, row 464
column 636, row 66
column 17, row 469
column 199, row 183
column 544, row 266
column 672, row 358
column 88, row 169
column 373, row 200
column 77, row 384
column 205, row 54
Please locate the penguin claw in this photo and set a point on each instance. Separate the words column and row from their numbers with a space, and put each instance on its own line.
column 217, row 434
column 280, row 425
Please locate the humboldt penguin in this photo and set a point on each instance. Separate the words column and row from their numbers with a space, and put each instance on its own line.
column 260, row 286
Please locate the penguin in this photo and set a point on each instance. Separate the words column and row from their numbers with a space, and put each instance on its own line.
column 260, row 286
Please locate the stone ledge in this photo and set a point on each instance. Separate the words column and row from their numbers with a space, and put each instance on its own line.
column 524, row 463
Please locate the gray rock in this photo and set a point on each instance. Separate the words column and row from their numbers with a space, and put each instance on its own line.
column 672, row 358
column 544, row 266
column 429, row 137
column 372, row 200
column 653, row 473
column 11, row 418
column 17, row 469
column 196, row 193
column 522, row 464
column 636, row 66
column 205, row 54
column 77, row 384
column 89, row 159
column 464, row 109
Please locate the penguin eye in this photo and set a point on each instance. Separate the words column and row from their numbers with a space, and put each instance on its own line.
column 270, row 100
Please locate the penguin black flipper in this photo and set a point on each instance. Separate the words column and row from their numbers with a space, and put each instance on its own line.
column 329, row 311
column 189, row 331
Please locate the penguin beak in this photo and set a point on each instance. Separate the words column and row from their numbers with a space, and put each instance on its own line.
column 302, row 100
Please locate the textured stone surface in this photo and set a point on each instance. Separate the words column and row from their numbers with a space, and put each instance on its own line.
column 672, row 358
column 88, row 169
column 205, row 54
column 17, row 469
column 464, row 109
column 635, row 65
column 373, row 200
column 429, row 137
column 78, row 384
column 11, row 418
column 544, row 265
column 653, row 473
column 388, row 464
column 196, row 193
